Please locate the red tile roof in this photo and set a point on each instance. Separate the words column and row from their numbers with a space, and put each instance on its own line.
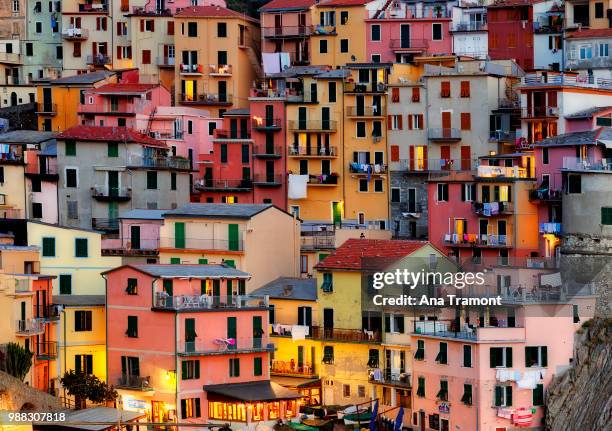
column 287, row 4
column 357, row 254
column 124, row 88
column 212, row 12
column 511, row 3
column 342, row 3
column 109, row 134
column 593, row 32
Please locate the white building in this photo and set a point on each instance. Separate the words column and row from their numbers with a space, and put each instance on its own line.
column 469, row 29
column 588, row 51
column 548, row 35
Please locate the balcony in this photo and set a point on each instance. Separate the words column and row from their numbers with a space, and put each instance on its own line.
column 11, row 213
column 437, row 165
column 367, row 169
column 166, row 62
column 202, row 244
column 553, row 228
column 287, row 32
column 443, row 134
column 292, row 368
column 261, row 91
column 503, row 136
column 111, row 194
column 224, row 346
column 226, row 185
column 46, row 108
column 191, row 69
column 11, row 154
column 491, row 209
column 495, row 330
column 99, row 60
column 301, row 96
column 266, row 123
column 409, row 45
column 206, row 99
column 534, row 112
column 169, row 162
column 236, row 135
column 105, row 224
column 327, row 241
column 268, row 180
column 75, row 34
column 208, row 302
column 545, row 195
column 486, row 171
column 365, row 111
column 312, row 125
column 44, row 167
column 469, row 26
column 49, row 313
column 345, row 335
column 167, row 134
column 323, row 180
column 587, row 164
column 46, row 351
column 480, row 240
column 101, row 7
column 390, row 377
column 138, row 383
column 30, row 327
column 306, row 151
column 264, row 151
column 220, row 69
column 10, row 58
column 123, row 108
column 556, row 78
column 365, row 87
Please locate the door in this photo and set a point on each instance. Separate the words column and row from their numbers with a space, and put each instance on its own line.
column 466, row 161
column 445, row 155
column 113, row 213
column 135, row 237
column 233, row 128
column 325, row 122
column 501, row 231
column 113, row 183
column 422, row 421
column 336, row 213
column 302, row 23
column 190, row 335
column 278, row 24
column 257, row 332
column 328, row 322
column 412, row 201
column 231, row 332
column 302, row 118
column 313, row 92
column 269, row 115
column 405, row 36
column 233, row 237
column 360, row 105
column 446, row 124
column 179, row 235
column 47, row 100
column 222, row 91
column 208, row 177
column 270, row 171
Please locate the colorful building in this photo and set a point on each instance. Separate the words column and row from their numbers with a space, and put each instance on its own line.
column 469, row 29
column 511, row 32
column 588, row 51
column 179, row 349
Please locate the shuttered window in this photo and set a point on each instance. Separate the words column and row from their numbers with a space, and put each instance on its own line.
column 48, row 247
column 65, row 284
column 257, row 367
column 445, row 90
column 80, row 247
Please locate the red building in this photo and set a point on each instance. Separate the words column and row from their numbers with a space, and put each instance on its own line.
column 511, row 31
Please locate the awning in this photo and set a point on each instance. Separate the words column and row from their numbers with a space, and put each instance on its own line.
column 252, row 391
column 96, row 415
column 295, row 382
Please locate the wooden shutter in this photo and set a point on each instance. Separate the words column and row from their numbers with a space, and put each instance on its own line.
column 129, row 52
column 445, row 152
column 395, row 95
column 465, row 88
column 409, row 122
column 152, row 21
column 146, row 56
column 466, row 121
column 411, row 152
column 395, row 153
column 119, row 32
column 231, row 327
column 119, row 52
column 94, row 48
column 400, row 126
column 389, row 122
column 466, row 162
column 179, row 235
column 425, row 157
column 142, row 25
column 552, row 99
column 445, row 89
column 421, row 124
column 170, row 28
column 416, row 94
column 98, row 23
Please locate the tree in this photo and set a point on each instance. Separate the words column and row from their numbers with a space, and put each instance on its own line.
column 87, row 387
column 17, row 361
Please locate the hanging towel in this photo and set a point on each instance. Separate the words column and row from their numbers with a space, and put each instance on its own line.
column 299, row 332
column 494, row 208
column 298, row 186
column 529, row 380
column 447, row 237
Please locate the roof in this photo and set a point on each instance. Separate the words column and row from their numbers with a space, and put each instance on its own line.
column 278, row 5
column 76, row 300
column 587, row 113
column 368, row 65
column 241, row 211
column 589, row 137
column 589, row 33
column 237, row 112
column 295, row 382
column 186, row 271
column 96, row 415
column 48, row 148
column 212, row 12
column 351, row 254
column 253, row 391
column 109, row 134
column 83, row 78
column 58, row 226
column 333, row 74
column 141, row 214
column 124, row 88
column 304, row 289
column 326, row 3
column 26, row 137
column 510, row 3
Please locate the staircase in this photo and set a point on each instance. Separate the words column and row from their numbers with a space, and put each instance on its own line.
column 150, row 121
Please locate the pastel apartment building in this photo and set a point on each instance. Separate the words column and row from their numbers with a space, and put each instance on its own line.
column 588, row 51
column 188, row 349
column 511, row 32
column 218, row 72
column 469, row 29
column 41, row 178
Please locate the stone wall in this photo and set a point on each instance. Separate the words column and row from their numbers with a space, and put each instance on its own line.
column 17, row 396
column 21, row 117
column 400, row 225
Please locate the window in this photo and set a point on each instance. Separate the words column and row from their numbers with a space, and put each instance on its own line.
column 467, row 356
column 375, row 58
column 83, row 364
column 416, row 94
column 574, row 184
column 190, row 369
column 257, row 366
column 190, row 408
column 603, row 121
column 442, row 394
column 36, row 210
column 468, row 192
column 466, row 121
column 536, row 356
column 146, row 56
column 500, row 357
column 170, row 28
column 65, row 284
column 328, row 354
column 344, row 45
column 442, row 195
column 70, row 148
column 80, row 247
column 586, row 51
column 395, row 194
column 234, row 367
column 59, row 52
column 328, row 18
column 466, row 398
column 323, row 46
column 436, row 31
column 303, row 263
column 346, row 391
column 344, row 17
column 151, row 180
column 112, row 149
column 192, row 29
column 328, row 282
column 421, row 387
column 361, row 129
column 378, row 186
column 419, row 355
column 175, row 261
column 606, row 215
column 211, row 128
column 48, row 247
column 538, row 395
column 545, row 156
column 132, row 286
column 363, row 185
column 503, row 396
column 445, row 90
column 599, row 10
column 375, row 33
column 603, row 49
column 361, row 391
column 465, row 88
column 415, row 121
column 82, row 320
column 132, row 327
column 395, row 122
column 442, row 357
column 221, row 29
column 73, row 209
column 223, row 154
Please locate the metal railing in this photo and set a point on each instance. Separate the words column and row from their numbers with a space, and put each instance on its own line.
column 287, row 31
column 538, row 78
column 488, row 171
column 438, row 164
column 212, row 184
column 587, row 164
column 202, row 244
column 365, row 111
column 99, row 60
column 30, row 326
column 322, row 179
column 49, row 312
column 267, row 92
column 111, row 192
column 214, row 346
column 519, row 262
column 272, row 179
column 391, row 377
column 208, row 302
column 292, row 367
column 492, row 208
column 220, row 69
column 46, row 108
column 305, row 151
column 266, row 123
column 545, row 195
column 301, row 96
column 75, row 33
column 539, row 111
column 134, row 382
column 469, row 26
column 416, row 44
column 312, row 125
column 105, row 224
column 502, row 135
column 315, row 242
column 489, row 240
column 443, row 133
column 348, row 335
column 365, row 87
column 263, row 150
column 11, row 213
column 46, row 350
column 170, row 162
column 187, row 68
column 231, row 134
column 206, row 98
column 166, row 61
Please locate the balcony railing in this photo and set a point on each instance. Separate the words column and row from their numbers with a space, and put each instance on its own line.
column 305, row 151
column 469, row 26
column 263, row 91
column 49, row 313
column 169, row 162
column 10, row 57
column 99, row 60
column 316, row 242
column 206, row 99
column 202, row 244
column 437, row 165
column 75, row 33
column 105, row 224
column 211, row 184
column 224, row 346
column 443, row 134
column 268, row 179
column 487, row 171
column 409, row 44
column 268, row 151
column 101, row 7
column 208, row 302
column 191, row 69
column 231, row 134
column 220, row 69
column 46, row 108
column 301, row 96
column 166, row 61
column 365, row 87
column 539, row 79
column 106, row 193
column 492, row 208
column 11, row 213
column 287, row 31
column 30, row 326
column 365, row 111
column 135, row 382
column 367, row 169
column 502, row 136
column 587, row 164
column 266, row 123
column 540, row 112
column 469, row 240
column 347, row 335
column 167, row 134
column 313, row 125
column 46, row 350
column 390, row 377
column 292, row 368
column 323, row 180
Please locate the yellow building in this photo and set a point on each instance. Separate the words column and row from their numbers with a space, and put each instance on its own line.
column 339, row 37
column 58, row 100
column 218, row 58
column 248, row 237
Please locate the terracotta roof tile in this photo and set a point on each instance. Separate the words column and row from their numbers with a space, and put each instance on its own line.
column 377, row 253
column 342, row 3
column 212, row 12
column 593, row 32
column 124, row 88
column 287, row 4
column 109, row 134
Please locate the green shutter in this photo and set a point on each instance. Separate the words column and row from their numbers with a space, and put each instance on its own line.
column 179, row 235
column 80, row 245
column 151, row 180
column 48, row 247
column 184, row 408
column 508, row 357
column 493, row 357
column 184, row 370
column 175, row 260
column 544, row 351
column 113, row 149
column 198, row 413
column 231, row 327
column 232, row 235
column 197, row 368
column 606, row 215
column 190, row 333
column 217, row 288
column 498, row 395
column 508, row 396
column 229, row 290
column 70, row 148
column 241, row 287
column 65, row 282
column 257, row 367
column 230, row 263
column 202, row 261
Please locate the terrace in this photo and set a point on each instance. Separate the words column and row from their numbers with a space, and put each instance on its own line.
column 562, row 79
column 292, row 368
column 225, row 184
column 473, row 239
column 486, row 171
column 268, row 180
column 224, row 346
column 111, row 194
column 139, row 383
column 202, row 244
column 28, row 327
column 206, row 99
column 311, row 151
column 494, row 330
column 587, row 164
column 443, row 134
column 208, row 302
column 390, row 377
column 287, row 31
column 438, row 165
column 47, row 350
column 312, row 125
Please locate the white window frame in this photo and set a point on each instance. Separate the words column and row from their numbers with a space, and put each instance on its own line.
column 439, row 186
column 467, row 187
column 66, row 176
column 416, row 124
column 600, row 47
column 588, row 49
column 539, row 364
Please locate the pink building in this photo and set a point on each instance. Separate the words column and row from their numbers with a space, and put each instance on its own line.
column 171, row 7
column 185, row 343
column 400, row 31
column 119, row 105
